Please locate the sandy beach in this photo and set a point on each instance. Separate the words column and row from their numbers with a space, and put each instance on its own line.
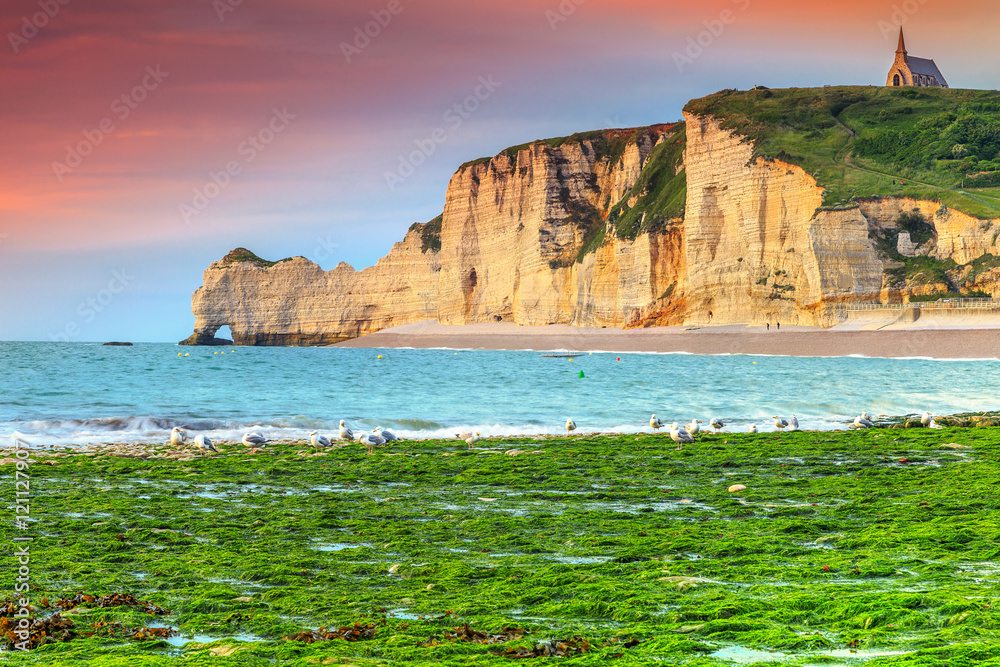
column 937, row 343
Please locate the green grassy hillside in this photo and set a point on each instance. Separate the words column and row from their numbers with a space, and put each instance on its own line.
column 931, row 143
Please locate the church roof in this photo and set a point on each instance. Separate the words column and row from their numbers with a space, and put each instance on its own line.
column 926, row 67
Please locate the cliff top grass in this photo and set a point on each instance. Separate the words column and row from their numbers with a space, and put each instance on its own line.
column 928, row 143
column 242, row 255
column 607, row 144
column 878, row 546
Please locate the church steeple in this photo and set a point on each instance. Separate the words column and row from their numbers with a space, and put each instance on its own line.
column 910, row 70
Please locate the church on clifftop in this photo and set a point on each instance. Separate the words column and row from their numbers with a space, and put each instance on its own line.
column 909, row 70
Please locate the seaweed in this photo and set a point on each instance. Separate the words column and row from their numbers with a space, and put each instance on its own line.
column 592, row 547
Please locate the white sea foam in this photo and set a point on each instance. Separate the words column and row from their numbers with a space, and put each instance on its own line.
column 86, row 394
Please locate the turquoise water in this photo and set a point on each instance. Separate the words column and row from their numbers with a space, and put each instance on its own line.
column 62, row 393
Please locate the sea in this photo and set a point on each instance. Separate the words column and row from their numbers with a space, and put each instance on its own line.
column 58, row 394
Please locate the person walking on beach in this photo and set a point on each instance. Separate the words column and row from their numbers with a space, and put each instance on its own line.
column 779, row 325
column 768, row 325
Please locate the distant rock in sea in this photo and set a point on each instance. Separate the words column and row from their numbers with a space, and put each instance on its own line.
column 115, row 343
column 199, row 339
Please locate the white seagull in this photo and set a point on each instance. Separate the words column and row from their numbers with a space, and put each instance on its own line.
column 656, row 423
column 472, row 440
column 253, row 439
column 388, row 435
column 680, row 435
column 463, row 436
column 318, row 440
column 345, row 433
column 862, row 422
column 795, row 423
column 204, row 444
column 926, row 419
column 177, row 436
column 779, row 423
column 752, row 429
column 717, row 424
column 693, row 427
column 371, row 440
column 570, row 425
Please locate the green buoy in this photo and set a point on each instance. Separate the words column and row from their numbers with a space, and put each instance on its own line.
column 581, row 374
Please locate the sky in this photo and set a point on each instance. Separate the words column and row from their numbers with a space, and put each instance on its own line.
column 144, row 139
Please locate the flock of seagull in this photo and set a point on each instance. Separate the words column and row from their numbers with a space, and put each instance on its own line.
column 682, row 435
column 380, row 436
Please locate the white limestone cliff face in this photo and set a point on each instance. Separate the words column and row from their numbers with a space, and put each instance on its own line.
column 754, row 246
column 758, row 249
column 512, row 232
column 958, row 236
column 510, row 236
column 295, row 302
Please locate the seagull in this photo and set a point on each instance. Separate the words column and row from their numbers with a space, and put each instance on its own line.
column 656, row 423
column 472, row 440
column 177, row 436
column 752, row 429
column 253, row 439
column 318, row 440
column 779, row 423
column 926, row 419
column 464, row 435
column 371, row 440
column 388, row 435
column 204, row 443
column 862, row 422
column 345, row 433
column 680, row 435
column 795, row 423
column 693, row 427
column 570, row 425
column 717, row 424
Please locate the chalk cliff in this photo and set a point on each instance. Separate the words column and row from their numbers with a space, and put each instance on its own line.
column 666, row 225
column 507, row 247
